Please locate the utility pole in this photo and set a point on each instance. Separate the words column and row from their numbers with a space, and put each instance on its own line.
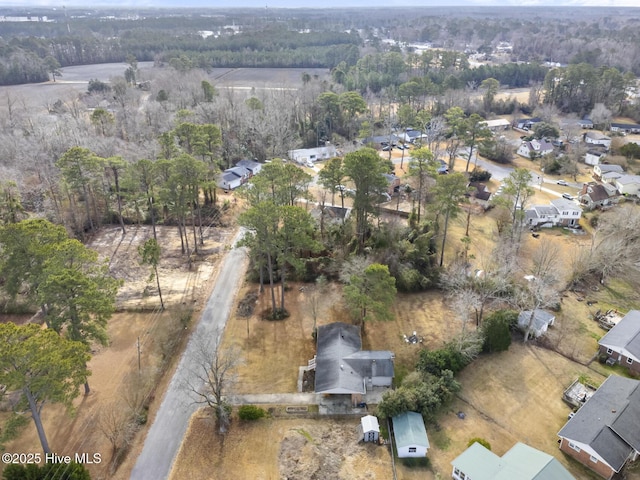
column 138, row 347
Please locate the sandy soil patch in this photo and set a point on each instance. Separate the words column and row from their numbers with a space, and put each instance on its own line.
column 278, row 448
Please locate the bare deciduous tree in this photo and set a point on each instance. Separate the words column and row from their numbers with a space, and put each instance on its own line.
column 213, row 376
column 616, row 242
column 541, row 289
column 118, row 425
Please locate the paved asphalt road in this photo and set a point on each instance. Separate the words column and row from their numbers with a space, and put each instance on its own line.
column 168, row 429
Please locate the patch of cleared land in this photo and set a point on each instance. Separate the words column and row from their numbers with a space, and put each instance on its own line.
column 114, row 369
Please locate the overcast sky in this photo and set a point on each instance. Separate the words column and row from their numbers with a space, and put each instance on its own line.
column 310, row 4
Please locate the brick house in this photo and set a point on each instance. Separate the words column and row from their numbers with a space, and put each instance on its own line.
column 622, row 342
column 604, row 435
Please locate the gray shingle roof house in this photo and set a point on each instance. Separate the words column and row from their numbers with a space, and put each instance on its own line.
column 561, row 213
column 625, row 127
column 599, row 170
column 233, row 177
column 622, row 342
column 342, row 367
column 251, row 165
column 541, row 321
column 535, row 149
column 521, row 462
column 410, row 435
column 605, row 433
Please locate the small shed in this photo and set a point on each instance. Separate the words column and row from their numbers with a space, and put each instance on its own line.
column 370, row 428
column 541, row 321
column 410, row 435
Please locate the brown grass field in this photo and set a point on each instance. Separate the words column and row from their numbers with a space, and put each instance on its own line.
column 513, row 396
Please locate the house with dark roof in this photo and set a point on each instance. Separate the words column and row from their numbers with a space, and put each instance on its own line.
column 595, row 195
column 251, row 165
column 233, row 177
column 410, row 435
column 597, row 139
column 586, row 122
column 527, row 123
column 622, row 342
column 393, row 183
column 594, row 156
column 521, row 462
column 604, row 434
column 411, row 135
column 625, row 127
column 330, row 214
column 479, row 194
column 343, row 368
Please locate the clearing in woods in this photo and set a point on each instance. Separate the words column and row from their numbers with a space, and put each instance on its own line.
column 115, row 378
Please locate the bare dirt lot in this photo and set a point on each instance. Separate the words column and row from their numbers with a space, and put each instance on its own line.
column 281, row 449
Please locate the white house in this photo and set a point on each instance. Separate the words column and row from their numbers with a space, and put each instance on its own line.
column 569, row 212
column 535, row 149
column 594, row 157
column 628, row 185
column 370, row 428
column 233, row 177
column 542, row 320
column 306, row 155
column 561, row 213
column 410, row 435
column 625, row 127
column 497, row 124
column 600, row 169
column 596, row 138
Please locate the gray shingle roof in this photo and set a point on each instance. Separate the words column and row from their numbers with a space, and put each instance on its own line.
column 610, row 168
column 563, row 204
column 249, row 165
column 629, row 179
column 341, row 366
column 609, row 421
column 540, row 318
column 336, row 341
column 625, row 336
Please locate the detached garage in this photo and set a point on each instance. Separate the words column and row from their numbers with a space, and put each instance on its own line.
column 410, row 435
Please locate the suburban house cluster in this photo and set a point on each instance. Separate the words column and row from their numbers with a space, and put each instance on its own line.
column 237, row 176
